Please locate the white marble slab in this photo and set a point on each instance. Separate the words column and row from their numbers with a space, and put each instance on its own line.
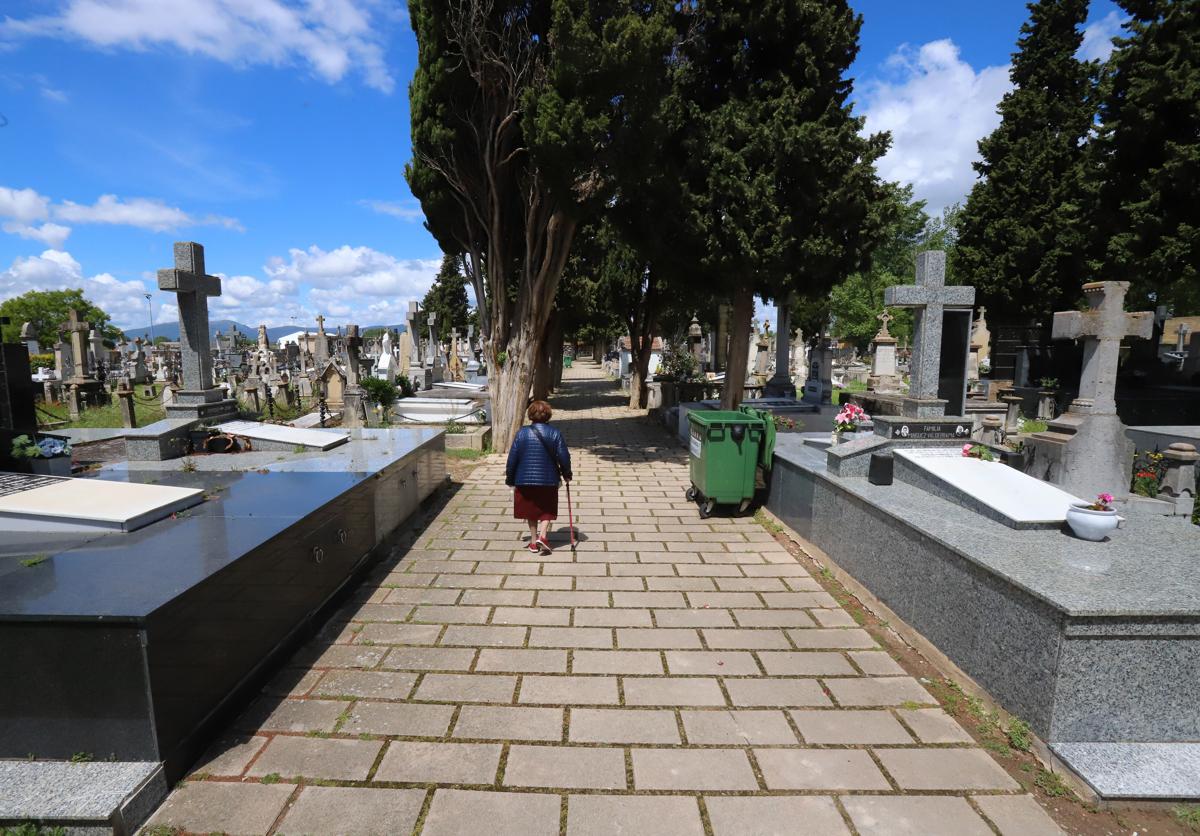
column 1006, row 490
column 319, row 439
column 85, row 504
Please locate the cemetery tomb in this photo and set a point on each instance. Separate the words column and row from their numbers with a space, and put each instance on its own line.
column 46, row 503
column 438, row 410
column 276, row 437
column 990, row 488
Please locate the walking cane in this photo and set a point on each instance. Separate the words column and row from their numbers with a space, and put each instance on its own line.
column 570, row 516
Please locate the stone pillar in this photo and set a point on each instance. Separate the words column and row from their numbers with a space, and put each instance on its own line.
column 125, row 401
column 780, row 385
column 991, row 430
column 1179, row 482
column 1012, row 420
column 74, row 401
column 1047, row 405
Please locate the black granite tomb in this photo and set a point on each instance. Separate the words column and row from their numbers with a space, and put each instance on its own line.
column 139, row 646
column 952, row 368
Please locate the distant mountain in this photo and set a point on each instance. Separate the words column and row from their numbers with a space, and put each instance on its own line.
column 170, row 330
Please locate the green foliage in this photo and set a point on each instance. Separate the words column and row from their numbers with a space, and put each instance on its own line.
column 1052, row 784
column 679, row 366
column 455, row 427
column 29, row 828
column 1146, row 158
column 856, row 303
column 41, row 361
column 147, row 410
column 447, row 297
column 36, row 560
column 1019, row 735
column 47, row 311
column 1189, row 817
column 779, row 183
column 1024, row 228
column 379, row 391
column 405, row 386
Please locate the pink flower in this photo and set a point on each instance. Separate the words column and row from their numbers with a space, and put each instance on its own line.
column 966, row 449
column 1105, row 498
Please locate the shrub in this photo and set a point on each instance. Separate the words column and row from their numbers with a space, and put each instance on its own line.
column 379, row 391
column 41, row 361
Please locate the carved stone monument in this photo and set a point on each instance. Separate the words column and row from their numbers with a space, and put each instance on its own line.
column 1085, row 450
column 884, row 377
column 198, row 399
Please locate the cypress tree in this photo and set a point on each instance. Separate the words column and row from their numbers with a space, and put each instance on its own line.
column 1147, row 156
column 1022, row 236
column 447, row 297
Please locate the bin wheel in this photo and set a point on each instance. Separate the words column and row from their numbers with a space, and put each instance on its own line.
column 746, row 503
column 706, row 509
column 690, row 494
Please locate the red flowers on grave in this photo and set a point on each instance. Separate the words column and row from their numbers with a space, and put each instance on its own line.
column 977, row 451
column 849, row 418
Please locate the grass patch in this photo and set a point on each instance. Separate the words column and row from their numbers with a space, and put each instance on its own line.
column 1019, row 735
column 1052, row 784
column 147, row 411
column 1189, row 817
column 271, row 778
column 852, row 387
column 32, row 829
column 761, row 517
column 470, row 455
column 36, row 560
column 1032, row 425
column 82, row 757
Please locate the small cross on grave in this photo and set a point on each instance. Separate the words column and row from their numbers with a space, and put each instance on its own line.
column 884, row 318
column 1102, row 327
column 192, row 287
column 931, row 300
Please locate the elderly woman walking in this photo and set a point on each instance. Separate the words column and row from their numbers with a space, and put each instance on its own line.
column 536, row 461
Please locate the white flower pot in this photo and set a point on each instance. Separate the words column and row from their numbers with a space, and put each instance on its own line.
column 1091, row 525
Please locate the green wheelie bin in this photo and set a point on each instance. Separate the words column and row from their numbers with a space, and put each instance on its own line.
column 730, row 456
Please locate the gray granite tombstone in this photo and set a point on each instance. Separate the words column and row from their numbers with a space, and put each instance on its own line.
column 941, row 338
column 321, row 351
column 1085, row 450
column 781, row 385
column 198, row 398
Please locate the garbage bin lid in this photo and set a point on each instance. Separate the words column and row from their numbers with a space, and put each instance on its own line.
column 719, row 417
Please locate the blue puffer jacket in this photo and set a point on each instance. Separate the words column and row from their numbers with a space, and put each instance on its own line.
column 529, row 462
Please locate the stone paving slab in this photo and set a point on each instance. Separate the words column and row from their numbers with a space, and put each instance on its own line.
column 672, row 672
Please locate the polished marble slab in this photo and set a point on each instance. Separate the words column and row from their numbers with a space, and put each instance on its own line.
column 83, row 504
column 319, row 439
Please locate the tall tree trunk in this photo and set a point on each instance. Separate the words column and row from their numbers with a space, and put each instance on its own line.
column 739, row 346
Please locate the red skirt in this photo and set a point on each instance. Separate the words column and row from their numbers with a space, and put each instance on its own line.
column 535, row 502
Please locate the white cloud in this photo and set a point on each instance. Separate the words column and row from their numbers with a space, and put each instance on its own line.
column 58, row 270
column 348, row 285
column 1097, row 37
column 403, row 211
column 141, row 212
column 331, row 37
column 355, row 271
column 23, row 205
column 52, row 235
column 937, row 108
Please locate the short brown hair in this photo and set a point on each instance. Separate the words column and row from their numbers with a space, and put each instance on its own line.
column 539, row 412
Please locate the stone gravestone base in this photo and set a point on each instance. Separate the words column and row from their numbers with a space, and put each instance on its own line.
column 1083, row 454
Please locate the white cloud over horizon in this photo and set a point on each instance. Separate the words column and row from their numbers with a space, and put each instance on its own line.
column 330, row 37
column 1097, row 37
column 937, row 108
column 27, row 214
column 347, row 284
column 405, row 211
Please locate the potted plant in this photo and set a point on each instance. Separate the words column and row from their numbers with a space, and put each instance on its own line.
column 977, row 451
column 47, row 456
column 1094, row 521
column 847, row 421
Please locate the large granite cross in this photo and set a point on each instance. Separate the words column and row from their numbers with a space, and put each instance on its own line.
column 929, row 298
column 1102, row 327
column 414, row 333
column 192, row 287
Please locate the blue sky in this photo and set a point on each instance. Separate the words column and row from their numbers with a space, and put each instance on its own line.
column 275, row 132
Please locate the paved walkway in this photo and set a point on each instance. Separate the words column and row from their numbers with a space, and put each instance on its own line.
column 673, row 677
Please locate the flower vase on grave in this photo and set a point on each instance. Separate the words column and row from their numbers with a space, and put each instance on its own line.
column 835, row 437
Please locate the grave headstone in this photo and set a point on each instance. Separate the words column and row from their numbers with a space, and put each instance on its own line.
column 29, row 337
column 17, row 413
column 354, row 399
column 198, row 398
column 1085, row 450
column 818, row 387
column 780, row 385
column 941, row 338
column 884, row 377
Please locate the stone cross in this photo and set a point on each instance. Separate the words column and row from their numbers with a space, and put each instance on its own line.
column 1102, row 327
column 885, row 318
column 75, row 333
column 192, row 287
column 929, row 298
column 432, row 320
column 413, row 333
column 321, row 350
